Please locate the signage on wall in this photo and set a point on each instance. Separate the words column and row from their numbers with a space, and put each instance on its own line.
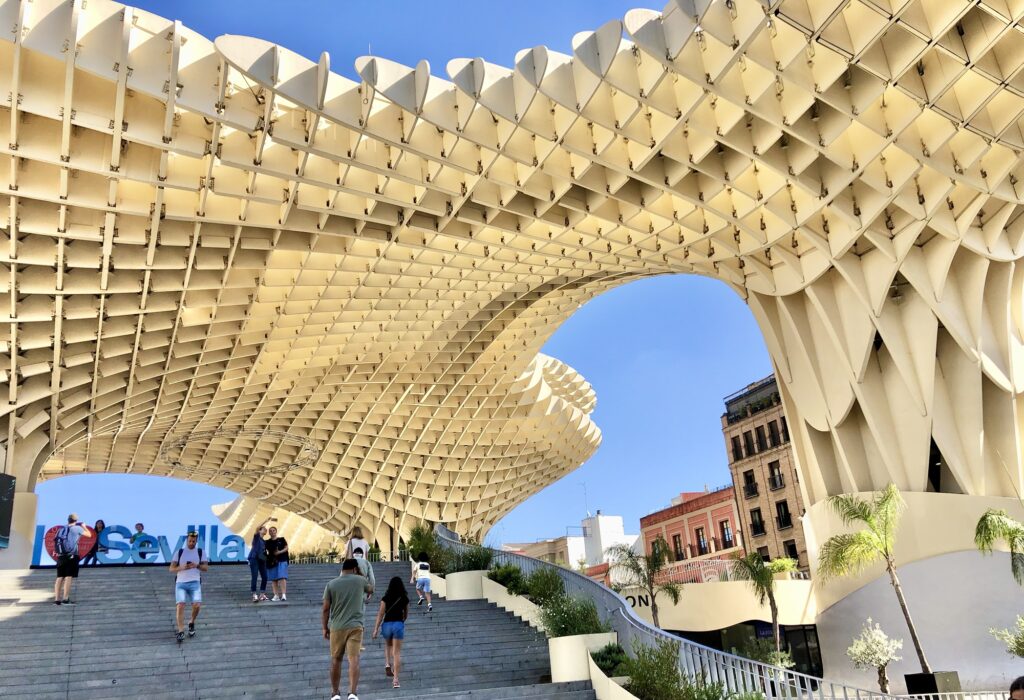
column 146, row 549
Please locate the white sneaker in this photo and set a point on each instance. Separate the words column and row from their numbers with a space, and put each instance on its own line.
column 284, row 597
column 335, row 697
column 275, row 598
column 352, row 696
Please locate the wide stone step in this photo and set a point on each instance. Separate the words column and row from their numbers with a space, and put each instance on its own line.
column 118, row 642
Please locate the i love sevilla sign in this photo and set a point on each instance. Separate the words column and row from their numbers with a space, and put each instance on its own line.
column 84, row 542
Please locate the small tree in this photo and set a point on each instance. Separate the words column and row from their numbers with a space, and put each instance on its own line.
column 1014, row 640
column 995, row 526
column 874, row 650
column 760, row 574
column 644, row 570
column 843, row 555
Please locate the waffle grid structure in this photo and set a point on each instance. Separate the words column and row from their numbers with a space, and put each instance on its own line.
column 226, row 240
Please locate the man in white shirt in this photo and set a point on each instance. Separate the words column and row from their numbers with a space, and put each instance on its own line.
column 187, row 564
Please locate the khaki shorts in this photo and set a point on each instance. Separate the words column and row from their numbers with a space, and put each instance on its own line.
column 346, row 641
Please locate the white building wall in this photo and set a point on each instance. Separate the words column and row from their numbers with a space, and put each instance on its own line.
column 601, row 532
column 954, row 600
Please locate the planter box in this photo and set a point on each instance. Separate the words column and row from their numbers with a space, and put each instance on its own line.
column 570, row 656
column 516, row 604
column 464, row 585
column 606, row 688
column 937, row 682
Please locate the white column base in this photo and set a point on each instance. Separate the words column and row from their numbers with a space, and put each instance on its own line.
column 23, row 531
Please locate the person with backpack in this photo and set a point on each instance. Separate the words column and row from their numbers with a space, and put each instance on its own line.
column 65, row 547
column 187, row 564
column 421, row 577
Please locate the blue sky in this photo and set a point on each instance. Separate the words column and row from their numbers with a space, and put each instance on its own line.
column 661, row 353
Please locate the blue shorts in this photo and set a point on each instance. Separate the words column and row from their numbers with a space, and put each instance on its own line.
column 278, row 571
column 393, row 630
column 423, row 584
column 188, row 592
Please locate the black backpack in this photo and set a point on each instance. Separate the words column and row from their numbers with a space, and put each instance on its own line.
column 60, row 543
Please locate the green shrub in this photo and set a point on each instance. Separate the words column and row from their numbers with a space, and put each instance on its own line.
column 654, row 672
column 748, row 695
column 544, row 584
column 421, row 539
column 563, row 616
column 763, row 650
column 702, row 689
column 611, row 660
column 475, row 558
column 510, row 576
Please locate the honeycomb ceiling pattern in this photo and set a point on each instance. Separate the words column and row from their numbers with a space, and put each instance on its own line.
column 223, row 237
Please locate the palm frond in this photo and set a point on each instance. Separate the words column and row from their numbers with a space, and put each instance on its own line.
column 847, row 554
column 850, row 508
column 753, row 569
column 997, row 526
column 994, row 526
column 888, row 508
column 672, row 590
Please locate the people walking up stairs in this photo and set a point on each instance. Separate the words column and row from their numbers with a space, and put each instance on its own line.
column 119, row 642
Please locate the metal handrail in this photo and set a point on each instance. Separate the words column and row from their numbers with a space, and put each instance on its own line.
column 375, row 557
column 738, row 674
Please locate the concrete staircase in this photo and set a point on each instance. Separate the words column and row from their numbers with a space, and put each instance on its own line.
column 118, row 642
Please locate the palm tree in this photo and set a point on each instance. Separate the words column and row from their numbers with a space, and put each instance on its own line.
column 851, row 553
column 996, row 525
column 643, row 571
column 760, row 574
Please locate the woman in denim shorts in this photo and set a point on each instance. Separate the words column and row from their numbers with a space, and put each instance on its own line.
column 394, row 608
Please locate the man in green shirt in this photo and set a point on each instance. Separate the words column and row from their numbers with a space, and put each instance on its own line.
column 342, row 617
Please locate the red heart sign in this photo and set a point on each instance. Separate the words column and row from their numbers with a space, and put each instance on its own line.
column 84, row 542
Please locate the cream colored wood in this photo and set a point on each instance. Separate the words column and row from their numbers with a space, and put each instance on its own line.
column 224, row 238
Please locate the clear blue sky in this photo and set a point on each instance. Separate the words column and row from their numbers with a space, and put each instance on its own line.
column 660, row 353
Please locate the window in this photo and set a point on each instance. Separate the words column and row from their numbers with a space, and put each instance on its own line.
column 773, row 434
column 791, row 551
column 775, row 480
column 748, row 442
column 785, row 429
column 725, row 527
column 749, row 484
column 702, row 542
column 763, row 551
column 737, row 448
column 782, row 515
column 677, row 546
column 756, row 522
column 762, row 441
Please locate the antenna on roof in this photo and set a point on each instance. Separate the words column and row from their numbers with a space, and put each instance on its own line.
column 586, row 505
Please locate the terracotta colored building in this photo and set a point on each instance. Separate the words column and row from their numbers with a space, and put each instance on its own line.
column 698, row 525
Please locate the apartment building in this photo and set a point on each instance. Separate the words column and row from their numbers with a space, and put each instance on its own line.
column 764, row 472
column 698, row 525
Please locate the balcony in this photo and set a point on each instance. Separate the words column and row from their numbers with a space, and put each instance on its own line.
column 776, row 482
column 726, row 543
column 757, row 528
column 784, row 521
column 750, row 490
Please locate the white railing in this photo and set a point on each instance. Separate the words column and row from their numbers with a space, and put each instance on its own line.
column 327, row 558
column 700, row 571
column 739, row 675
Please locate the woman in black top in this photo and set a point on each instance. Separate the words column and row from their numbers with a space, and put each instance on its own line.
column 394, row 608
column 90, row 558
